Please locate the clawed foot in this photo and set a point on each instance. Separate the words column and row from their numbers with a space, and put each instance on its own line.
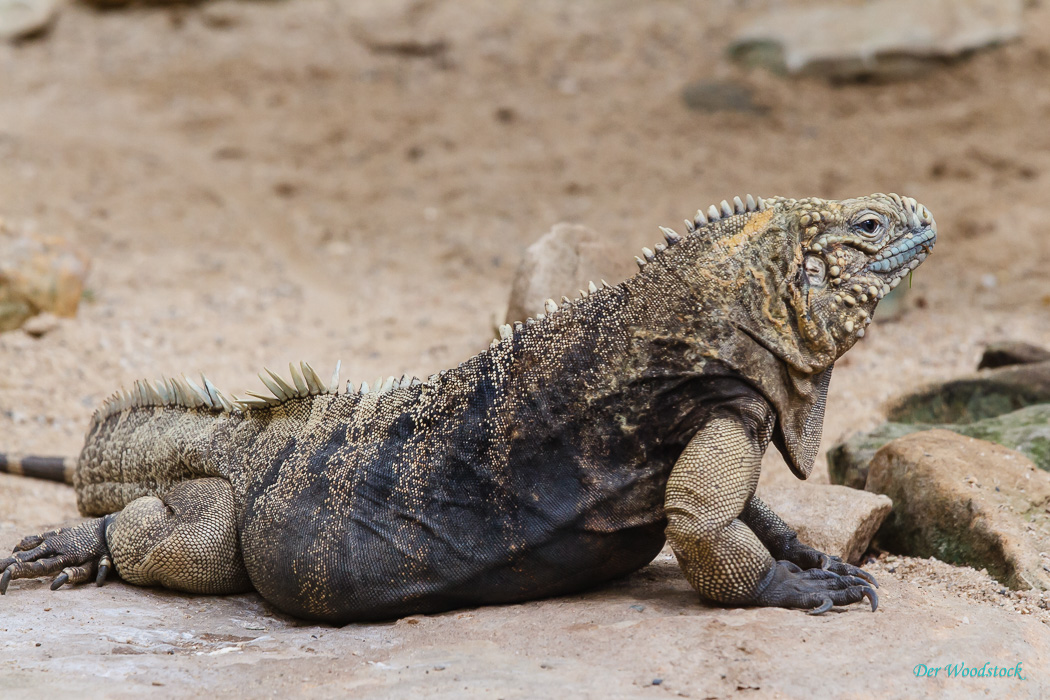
column 806, row 557
column 788, row 586
column 77, row 554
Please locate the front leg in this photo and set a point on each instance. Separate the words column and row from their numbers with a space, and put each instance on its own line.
column 723, row 558
column 784, row 544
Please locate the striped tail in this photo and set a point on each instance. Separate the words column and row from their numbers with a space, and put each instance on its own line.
column 50, row 468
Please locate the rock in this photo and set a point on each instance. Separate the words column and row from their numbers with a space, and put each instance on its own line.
column 120, row 3
column 848, row 460
column 222, row 16
column 560, row 263
column 1026, row 431
column 21, row 19
column 1009, row 353
column 986, row 394
column 884, row 38
column 719, row 96
column 1008, row 405
column 41, row 324
column 966, row 501
column 38, row 273
column 836, row 520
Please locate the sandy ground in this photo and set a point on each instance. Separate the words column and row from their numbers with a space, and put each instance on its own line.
column 265, row 182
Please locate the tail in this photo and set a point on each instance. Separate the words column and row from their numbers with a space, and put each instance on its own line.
column 50, row 468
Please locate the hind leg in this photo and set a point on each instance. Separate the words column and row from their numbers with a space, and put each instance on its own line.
column 185, row 540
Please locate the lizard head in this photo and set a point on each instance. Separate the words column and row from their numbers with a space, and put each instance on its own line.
column 838, row 259
column 795, row 283
column 852, row 253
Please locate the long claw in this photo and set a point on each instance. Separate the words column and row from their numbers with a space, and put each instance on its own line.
column 816, row 590
column 866, row 576
column 872, row 597
column 103, row 570
column 59, row 581
column 822, row 608
column 6, row 579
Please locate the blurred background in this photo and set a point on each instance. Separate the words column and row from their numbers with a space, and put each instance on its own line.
column 252, row 183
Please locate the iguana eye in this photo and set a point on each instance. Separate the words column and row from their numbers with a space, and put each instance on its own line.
column 815, row 269
column 869, row 225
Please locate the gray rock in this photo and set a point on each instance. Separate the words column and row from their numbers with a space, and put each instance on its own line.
column 987, row 394
column 20, row 19
column 1007, row 353
column 966, row 501
column 885, row 38
column 720, row 96
column 848, row 461
column 121, row 3
column 1008, row 405
column 836, row 520
column 560, row 263
column 1026, row 431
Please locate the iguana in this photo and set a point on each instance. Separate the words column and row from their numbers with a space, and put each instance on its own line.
column 559, row 458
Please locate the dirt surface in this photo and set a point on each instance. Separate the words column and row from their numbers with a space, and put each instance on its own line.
column 265, row 182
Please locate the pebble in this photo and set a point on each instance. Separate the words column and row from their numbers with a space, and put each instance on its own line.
column 40, row 325
column 720, row 96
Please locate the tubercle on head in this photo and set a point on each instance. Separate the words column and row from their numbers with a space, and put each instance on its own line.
column 854, row 253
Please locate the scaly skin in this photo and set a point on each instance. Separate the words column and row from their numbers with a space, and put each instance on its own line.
column 551, row 462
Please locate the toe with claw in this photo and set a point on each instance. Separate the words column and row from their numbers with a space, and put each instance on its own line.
column 789, row 586
column 76, row 554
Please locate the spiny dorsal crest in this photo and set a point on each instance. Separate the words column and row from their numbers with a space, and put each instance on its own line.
column 185, row 393
column 306, row 382
column 714, row 213
column 173, row 391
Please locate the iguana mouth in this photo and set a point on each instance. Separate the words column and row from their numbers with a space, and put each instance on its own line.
column 905, row 254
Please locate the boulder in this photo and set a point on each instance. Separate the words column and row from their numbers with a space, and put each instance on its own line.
column 1007, row 403
column 988, row 393
column 966, row 501
column 563, row 261
column 834, row 519
column 1026, row 430
column 848, row 461
column 38, row 274
column 884, row 38
column 1006, row 353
